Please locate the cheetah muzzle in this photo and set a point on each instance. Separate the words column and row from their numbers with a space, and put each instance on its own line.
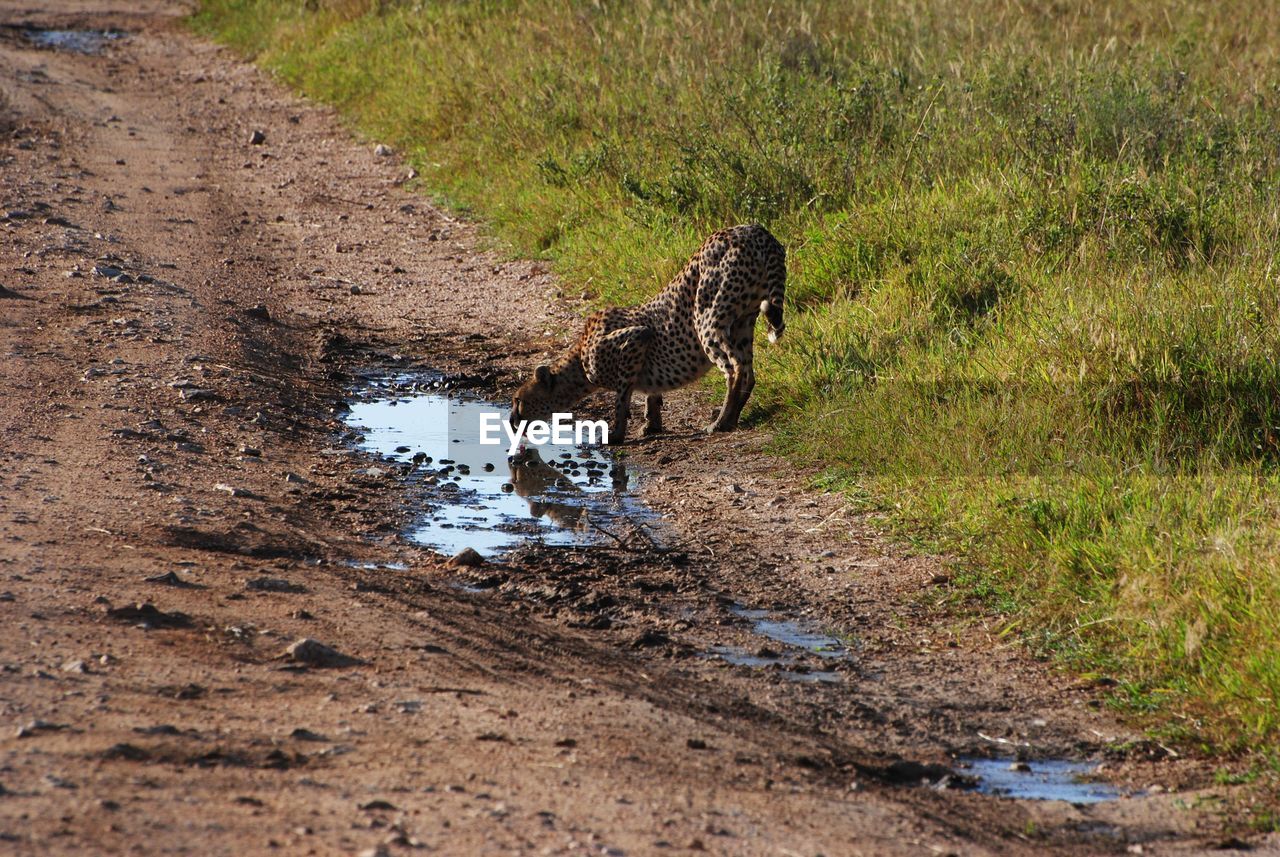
column 705, row 316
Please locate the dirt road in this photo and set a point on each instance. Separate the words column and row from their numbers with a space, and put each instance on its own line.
column 194, row 265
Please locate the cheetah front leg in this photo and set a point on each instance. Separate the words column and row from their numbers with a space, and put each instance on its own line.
column 616, row 365
column 652, row 415
column 621, row 413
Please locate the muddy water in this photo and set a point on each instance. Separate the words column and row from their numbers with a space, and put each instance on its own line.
column 796, row 638
column 76, row 41
column 1045, row 779
column 474, row 496
column 791, row 632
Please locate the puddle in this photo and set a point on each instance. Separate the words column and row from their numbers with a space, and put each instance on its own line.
column 474, row 496
column 792, row 633
column 376, row 566
column 76, row 41
column 1047, row 779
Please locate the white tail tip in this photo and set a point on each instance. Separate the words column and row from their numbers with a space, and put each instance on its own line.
column 773, row 337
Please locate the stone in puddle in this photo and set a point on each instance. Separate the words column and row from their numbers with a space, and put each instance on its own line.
column 316, row 654
column 466, row 558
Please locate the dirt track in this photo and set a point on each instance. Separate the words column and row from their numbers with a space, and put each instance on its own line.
column 149, row 424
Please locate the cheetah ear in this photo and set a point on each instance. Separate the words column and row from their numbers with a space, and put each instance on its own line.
column 543, row 374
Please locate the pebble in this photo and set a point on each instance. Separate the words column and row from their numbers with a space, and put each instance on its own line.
column 169, row 578
column 377, row 805
column 301, row 734
column 317, row 654
column 257, row 138
column 272, row 584
column 148, row 616
column 383, row 151
column 35, row 727
column 259, row 311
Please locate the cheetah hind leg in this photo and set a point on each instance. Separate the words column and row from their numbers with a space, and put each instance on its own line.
column 733, row 356
column 726, row 416
column 652, row 415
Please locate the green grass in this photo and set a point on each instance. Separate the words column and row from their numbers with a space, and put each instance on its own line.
column 1033, row 305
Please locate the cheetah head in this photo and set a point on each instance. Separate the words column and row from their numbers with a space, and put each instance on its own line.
column 541, row 396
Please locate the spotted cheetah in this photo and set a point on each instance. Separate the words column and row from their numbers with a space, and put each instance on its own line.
column 705, row 316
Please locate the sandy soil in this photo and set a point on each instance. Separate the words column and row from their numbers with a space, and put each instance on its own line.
column 181, row 316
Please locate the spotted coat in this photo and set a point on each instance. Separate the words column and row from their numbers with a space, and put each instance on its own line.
column 706, row 316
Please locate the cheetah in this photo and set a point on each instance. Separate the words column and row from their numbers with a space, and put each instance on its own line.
column 705, row 316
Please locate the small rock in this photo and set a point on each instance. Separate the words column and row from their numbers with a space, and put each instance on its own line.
column 1020, row 767
column 169, row 578
column 196, row 394
column 377, row 805
column 126, row 752
column 250, row 451
column 148, row 616
column 466, row 558
column 36, row 727
column 75, row 666
column 696, row 744
column 301, row 734
column 316, row 654
column 259, row 312
column 383, row 151
column 273, row 584
column 59, row 782
column 257, row 138
column 294, row 479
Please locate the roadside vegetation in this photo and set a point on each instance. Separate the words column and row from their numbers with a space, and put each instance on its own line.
column 1033, row 317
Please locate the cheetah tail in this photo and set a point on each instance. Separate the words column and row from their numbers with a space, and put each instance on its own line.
column 773, row 315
